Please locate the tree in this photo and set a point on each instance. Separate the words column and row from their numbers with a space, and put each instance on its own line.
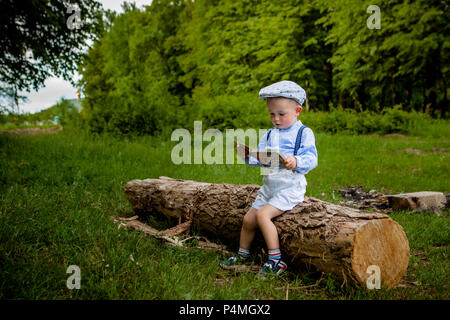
column 130, row 74
column 181, row 59
column 238, row 47
column 41, row 38
column 404, row 62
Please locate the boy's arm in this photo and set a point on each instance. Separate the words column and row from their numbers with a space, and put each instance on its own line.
column 307, row 154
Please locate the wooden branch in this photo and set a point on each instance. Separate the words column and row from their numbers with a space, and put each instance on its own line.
column 169, row 235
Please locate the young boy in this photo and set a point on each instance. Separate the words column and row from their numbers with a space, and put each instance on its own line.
column 283, row 188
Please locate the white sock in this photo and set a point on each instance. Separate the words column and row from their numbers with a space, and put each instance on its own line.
column 275, row 255
column 244, row 252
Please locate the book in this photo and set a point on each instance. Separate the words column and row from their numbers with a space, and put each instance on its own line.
column 269, row 157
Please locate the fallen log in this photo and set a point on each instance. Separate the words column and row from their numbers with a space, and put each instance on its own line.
column 418, row 201
column 334, row 239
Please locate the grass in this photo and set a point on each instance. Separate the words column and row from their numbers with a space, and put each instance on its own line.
column 59, row 192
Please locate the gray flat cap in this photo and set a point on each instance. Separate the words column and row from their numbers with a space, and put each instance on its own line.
column 286, row 89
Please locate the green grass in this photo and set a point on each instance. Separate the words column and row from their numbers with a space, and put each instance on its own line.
column 59, row 192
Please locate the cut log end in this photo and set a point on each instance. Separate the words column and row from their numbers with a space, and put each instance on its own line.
column 381, row 243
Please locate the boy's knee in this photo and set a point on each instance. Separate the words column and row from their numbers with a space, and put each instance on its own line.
column 250, row 220
column 260, row 215
column 266, row 213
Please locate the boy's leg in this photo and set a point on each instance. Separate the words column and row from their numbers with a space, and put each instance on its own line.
column 248, row 229
column 264, row 218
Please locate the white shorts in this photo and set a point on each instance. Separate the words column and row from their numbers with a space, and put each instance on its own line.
column 283, row 189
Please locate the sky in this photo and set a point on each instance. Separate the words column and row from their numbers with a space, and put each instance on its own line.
column 56, row 88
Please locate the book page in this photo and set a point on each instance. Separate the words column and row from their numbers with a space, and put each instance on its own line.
column 269, row 157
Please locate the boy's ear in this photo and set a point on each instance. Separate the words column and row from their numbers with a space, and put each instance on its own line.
column 299, row 109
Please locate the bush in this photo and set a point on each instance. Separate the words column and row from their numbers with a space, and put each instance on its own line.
column 227, row 112
column 247, row 111
column 389, row 120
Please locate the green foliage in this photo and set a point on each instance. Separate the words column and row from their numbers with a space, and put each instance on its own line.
column 158, row 68
column 226, row 112
column 66, row 110
column 405, row 61
column 129, row 77
column 38, row 42
column 389, row 120
column 236, row 47
column 246, row 111
column 396, row 120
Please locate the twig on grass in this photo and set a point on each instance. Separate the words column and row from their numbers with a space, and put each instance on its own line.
column 169, row 235
column 298, row 288
column 287, row 291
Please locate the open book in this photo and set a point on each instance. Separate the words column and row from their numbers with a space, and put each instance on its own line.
column 268, row 157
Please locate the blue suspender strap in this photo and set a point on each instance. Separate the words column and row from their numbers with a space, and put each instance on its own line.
column 298, row 141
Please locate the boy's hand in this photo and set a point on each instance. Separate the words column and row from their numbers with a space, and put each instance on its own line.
column 241, row 151
column 290, row 162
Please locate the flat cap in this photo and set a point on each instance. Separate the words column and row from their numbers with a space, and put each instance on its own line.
column 286, row 89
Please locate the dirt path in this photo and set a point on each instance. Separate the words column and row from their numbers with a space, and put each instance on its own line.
column 31, row 131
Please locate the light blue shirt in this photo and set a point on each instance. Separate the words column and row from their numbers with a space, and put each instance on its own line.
column 284, row 140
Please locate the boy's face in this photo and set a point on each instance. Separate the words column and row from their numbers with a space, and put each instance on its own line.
column 283, row 111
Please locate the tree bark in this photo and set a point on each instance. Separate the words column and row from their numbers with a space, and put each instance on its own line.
column 334, row 239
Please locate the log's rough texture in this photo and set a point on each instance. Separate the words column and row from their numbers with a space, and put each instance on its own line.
column 332, row 238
